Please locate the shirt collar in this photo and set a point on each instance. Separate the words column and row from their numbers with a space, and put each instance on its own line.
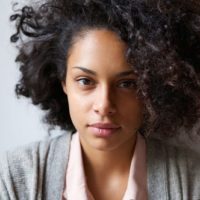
column 76, row 181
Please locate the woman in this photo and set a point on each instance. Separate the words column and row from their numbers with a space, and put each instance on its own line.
column 111, row 73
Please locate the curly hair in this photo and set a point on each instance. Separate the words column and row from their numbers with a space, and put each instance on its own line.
column 163, row 39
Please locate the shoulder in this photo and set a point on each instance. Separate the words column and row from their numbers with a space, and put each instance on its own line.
column 20, row 168
column 172, row 152
column 173, row 169
column 26, row 155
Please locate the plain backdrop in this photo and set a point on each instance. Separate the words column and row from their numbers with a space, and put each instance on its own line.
column 20, row 121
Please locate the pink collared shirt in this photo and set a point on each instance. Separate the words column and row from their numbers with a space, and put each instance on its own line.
column 76, row 186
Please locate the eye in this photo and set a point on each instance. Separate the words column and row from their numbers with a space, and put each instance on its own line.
column 128, row 84
column 85, row 82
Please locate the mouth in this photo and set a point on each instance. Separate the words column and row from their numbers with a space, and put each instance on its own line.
column 103, row 129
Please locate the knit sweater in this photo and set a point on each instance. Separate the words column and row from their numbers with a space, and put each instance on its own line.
column 37, row 171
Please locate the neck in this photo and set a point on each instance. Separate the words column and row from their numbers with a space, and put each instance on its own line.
column 107, row 164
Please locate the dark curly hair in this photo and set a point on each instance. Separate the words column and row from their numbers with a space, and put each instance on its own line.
column 163, row 38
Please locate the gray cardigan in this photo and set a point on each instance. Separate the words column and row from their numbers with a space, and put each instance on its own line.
column 37, row 171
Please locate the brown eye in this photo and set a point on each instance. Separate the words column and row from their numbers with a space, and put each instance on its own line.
column 128, row 84
column 85, row 81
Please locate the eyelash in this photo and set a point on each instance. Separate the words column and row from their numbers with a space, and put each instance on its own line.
column 82, row 81
column 124, row 84
column 128, row 84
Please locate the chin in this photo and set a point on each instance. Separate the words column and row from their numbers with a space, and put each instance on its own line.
column 103, row 146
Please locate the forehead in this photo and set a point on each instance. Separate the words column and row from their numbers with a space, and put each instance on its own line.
column 98, row 47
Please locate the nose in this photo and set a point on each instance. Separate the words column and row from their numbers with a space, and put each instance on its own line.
column 104, row 104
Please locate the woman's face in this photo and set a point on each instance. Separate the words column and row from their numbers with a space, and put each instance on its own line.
column 101, row 91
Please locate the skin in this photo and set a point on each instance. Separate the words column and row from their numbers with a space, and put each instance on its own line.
column 100, row 87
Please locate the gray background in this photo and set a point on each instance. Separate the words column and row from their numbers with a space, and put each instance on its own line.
column 19, row 120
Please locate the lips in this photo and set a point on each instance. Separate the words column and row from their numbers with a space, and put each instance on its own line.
column 104, row 126
column 104, row 129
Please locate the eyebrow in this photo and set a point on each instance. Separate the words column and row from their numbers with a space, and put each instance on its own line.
column 88, row 71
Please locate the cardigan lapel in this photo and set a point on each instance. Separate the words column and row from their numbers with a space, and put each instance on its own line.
column 156, row 171
column 56, row 165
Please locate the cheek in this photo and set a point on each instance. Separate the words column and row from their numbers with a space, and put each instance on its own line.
column 74, row 110
column 78, row 105
column 133, row 113
column 75, row 104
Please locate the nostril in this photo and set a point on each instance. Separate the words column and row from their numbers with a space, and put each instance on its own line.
column 104, row 110
column 104, row 103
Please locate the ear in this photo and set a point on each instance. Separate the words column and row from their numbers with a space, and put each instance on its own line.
column 64, row 87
